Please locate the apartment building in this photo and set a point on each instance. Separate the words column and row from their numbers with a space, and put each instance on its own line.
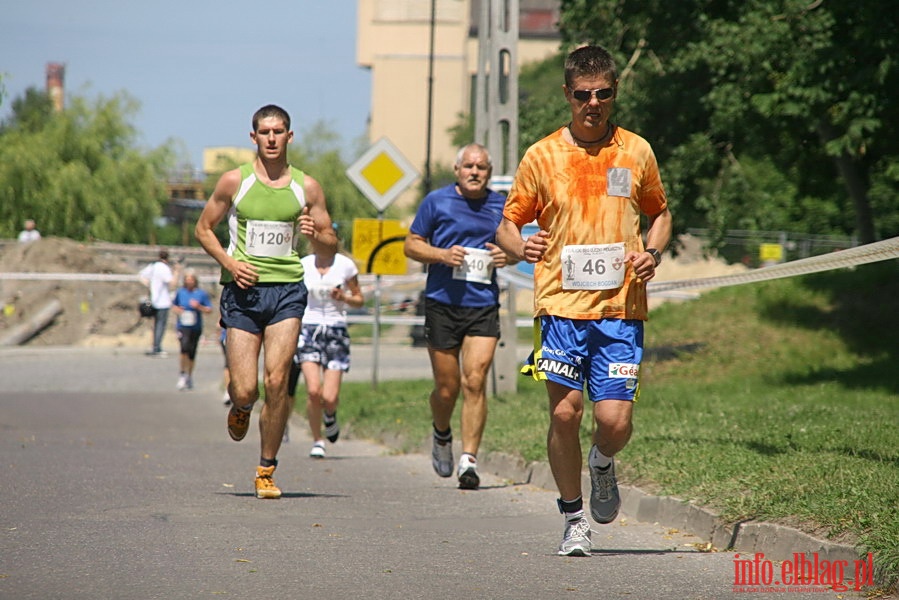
column 394, row 42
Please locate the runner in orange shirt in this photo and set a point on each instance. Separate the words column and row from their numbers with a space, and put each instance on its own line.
column 587, row 186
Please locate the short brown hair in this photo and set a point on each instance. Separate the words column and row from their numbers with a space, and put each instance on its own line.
column 270, row 110
column 589, row 60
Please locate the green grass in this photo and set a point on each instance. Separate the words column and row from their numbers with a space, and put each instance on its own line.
column 776, row 401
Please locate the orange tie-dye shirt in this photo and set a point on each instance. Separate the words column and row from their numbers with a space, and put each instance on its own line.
column 580, row 197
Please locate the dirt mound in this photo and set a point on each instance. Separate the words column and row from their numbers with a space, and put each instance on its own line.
column 694, row 261
column 89, row 308
column 97, row 313
column 56, row 255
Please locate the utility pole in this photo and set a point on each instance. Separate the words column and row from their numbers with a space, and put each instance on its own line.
column 496, row 127
column 427, row 180
column 496, row 97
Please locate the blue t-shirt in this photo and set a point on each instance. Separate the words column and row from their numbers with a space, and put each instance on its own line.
column 182, row 298
column 446, row 218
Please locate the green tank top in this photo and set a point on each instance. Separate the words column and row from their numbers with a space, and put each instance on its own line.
column 262, row 224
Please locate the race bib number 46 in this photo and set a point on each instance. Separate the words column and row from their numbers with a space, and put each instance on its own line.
column 269, row 238
column 593, row 267
column 478, row 266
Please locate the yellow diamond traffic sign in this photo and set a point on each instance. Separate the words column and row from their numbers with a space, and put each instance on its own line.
column 382, row 173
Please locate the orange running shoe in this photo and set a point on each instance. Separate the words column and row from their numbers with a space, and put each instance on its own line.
column 238, row 422
column 265, row 485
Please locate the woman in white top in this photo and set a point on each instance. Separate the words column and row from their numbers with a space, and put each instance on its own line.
column 323, row 349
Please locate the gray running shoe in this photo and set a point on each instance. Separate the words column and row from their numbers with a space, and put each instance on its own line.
column 442, row 458
column 604, row 498
column 576, row 541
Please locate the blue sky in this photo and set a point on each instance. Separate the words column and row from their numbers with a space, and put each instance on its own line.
column 199, row 68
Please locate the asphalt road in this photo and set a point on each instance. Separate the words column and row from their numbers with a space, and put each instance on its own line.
column 114, row 485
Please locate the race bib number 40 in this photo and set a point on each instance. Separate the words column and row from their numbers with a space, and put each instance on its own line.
column 269, row 238
column 478, row 266
column 593, row 267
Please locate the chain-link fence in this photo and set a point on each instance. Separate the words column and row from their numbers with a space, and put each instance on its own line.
column 761, row 248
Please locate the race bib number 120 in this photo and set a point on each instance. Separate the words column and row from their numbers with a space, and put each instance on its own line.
column 269, row 238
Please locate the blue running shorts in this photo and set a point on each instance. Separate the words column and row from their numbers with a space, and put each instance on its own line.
column 602, row 356
column 264, row 304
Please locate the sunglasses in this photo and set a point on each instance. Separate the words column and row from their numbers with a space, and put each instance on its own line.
column 585, row 95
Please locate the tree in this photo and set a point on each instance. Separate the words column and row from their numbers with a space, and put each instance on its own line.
column 316, row 150
column 736, row 94
column 79, row 171
column 542, row 105
column 30, row 112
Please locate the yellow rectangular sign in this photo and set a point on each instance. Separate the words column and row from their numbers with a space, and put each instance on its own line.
column 771, row 252
column 378, row 246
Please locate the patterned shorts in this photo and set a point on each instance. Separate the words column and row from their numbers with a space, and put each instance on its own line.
column 324, row 345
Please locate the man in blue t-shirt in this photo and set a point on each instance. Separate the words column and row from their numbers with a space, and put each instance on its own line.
column 453, row 234
column 189, row 305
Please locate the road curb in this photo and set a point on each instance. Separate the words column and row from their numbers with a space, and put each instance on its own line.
column 776, row 542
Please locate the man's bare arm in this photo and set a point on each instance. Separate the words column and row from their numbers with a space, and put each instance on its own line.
column 315, row 222
column 216, row 209
column 508, row 237
column 659, row 232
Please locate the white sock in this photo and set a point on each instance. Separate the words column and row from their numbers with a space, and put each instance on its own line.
column 598, row 459
column 575, row 516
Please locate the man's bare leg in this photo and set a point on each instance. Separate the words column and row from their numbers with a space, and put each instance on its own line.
column 280, row 343
column 477, row 355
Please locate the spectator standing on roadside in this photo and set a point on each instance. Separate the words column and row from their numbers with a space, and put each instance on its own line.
column 29, row 233
column 264, row 297
column 453, row 234
column 161, row 280
column 189, row 305
column 323, row 349
column 587, row 185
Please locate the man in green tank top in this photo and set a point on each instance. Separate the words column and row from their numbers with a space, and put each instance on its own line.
column 263, row 298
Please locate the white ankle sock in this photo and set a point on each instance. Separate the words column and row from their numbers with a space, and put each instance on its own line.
column 598, row 459
column 575, row 516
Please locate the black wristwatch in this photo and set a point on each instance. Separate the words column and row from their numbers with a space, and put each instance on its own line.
column 656, row 255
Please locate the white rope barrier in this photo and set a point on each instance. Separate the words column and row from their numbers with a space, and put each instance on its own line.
column 851, row 257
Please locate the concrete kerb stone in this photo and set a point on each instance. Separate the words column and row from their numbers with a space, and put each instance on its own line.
column 776, row 542
column 780, row 542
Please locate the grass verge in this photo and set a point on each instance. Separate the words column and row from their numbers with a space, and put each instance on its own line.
column 776, row 401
